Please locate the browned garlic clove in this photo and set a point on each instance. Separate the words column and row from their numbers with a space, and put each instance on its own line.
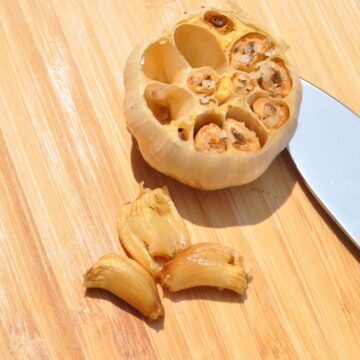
column 151, row 229
column 210, row 138
column 205, row 100
column 241, row 137
column 219, row 21
column 224, row 90
column 129, row 281
column 205, row 264
column 208, row 101
column 249, row 50
column 203, row 81
column 243, row 82
column 275, row 78
column 272, row 113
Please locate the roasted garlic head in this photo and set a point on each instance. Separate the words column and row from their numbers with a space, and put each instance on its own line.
column 151, row 229
column 205, row 264
column 212, row 100
column 129, row 281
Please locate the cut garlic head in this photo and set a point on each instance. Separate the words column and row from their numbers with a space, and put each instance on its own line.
column 129, row 281
column 151, row 230
column 186, row 89
column 205, row 264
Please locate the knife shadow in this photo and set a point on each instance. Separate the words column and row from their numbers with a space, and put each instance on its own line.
column 108, row 296
column 242, row 205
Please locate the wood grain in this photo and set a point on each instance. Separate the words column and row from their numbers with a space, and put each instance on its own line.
column 67, row 164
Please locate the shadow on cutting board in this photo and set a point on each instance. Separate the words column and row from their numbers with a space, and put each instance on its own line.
column 205, row 293
column 342, row 237
column 243, row 205
column 108, row 296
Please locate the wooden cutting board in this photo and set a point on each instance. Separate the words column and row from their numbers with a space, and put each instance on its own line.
column 67, row 164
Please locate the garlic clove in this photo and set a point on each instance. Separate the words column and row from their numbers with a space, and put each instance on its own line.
column 203, row 81
column 129, row 281
column 225, row 89
column 249, row 50
column 275, row 78
column 242, row 138
column 244, row 83
column 209, row 139
column 272, row 113
column 219, row 22
column 151, row 229
column 205, row 264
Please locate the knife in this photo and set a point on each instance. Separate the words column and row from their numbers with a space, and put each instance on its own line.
column 326, row 151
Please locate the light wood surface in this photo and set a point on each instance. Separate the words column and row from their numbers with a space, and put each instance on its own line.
column 67, row 164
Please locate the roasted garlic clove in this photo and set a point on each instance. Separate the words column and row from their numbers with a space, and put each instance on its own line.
column 275, row 78
column 209, row 61
column 249, row 50
column 151, row 229
column 129, row 281
column 241, row 137
column 225, row 89
column 208, row 101
column 244, row 83
column 272, row 113
column 210, row 138
column 219, row 21
column 205, row 264
column 203, row 81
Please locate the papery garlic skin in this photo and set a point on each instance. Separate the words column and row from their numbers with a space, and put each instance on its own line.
column 189, row 44
column 129, row 281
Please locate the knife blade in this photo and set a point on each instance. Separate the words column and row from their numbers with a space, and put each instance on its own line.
column 326, row 151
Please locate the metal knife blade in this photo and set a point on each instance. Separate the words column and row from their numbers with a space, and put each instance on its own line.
column 326, row 151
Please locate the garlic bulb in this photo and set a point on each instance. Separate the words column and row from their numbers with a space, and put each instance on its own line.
column 186, row 89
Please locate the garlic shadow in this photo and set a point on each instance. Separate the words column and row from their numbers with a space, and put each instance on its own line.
column 205, row 293
column 248, row 204
column 108, row 296
column 242, row 205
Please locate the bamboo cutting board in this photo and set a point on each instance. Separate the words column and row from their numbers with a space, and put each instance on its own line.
column 67, row 164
